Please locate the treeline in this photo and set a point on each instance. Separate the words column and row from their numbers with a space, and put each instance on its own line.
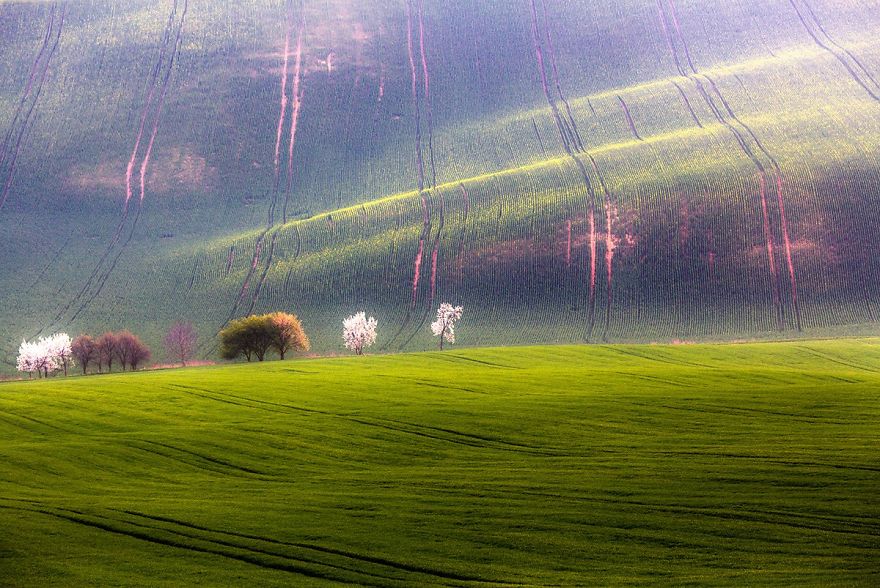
column 123, row 348
column 251, row 337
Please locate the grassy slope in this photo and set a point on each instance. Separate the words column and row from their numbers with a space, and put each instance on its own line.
column 692, row 464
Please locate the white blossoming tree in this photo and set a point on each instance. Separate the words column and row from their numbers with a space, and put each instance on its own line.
column 48, row 354
column 58, row 348
column 28, row 358
column 444, row 326
column 359, row 332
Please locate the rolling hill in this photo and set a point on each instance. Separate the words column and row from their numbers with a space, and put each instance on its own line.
column 564, row 465
column 627, row 170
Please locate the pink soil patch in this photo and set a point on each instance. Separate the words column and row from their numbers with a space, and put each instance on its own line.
column 171, row 171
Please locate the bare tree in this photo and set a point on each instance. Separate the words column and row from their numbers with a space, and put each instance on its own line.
column 84, row 351
column 180, row 342
column 139, row 354
column 106, row 347
column 130, row 350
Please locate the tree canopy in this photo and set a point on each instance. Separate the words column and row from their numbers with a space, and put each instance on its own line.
column 254, row 336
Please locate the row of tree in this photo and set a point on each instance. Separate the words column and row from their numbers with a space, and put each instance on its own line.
column 250, row 337
column 254, row 336
column 48, row 355
column 123, row 347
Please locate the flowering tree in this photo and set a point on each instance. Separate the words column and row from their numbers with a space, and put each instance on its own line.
column 359, row 332
column 58, row 348
column 444, row 326
column 48, row 354
column 30, row 358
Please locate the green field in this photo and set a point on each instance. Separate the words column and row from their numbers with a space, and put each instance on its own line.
column 753, row 464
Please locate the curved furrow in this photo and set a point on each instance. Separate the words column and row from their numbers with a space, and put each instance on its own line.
column 670, row 39
column 438, row 436
column 96, row 274
column 495, row 441
column 31, row 419
column 414, row 88
column 873, row 93
column 610, row 243
column 197, row 464
column 284, row 100
column 26, row 92
column 406, row 567
column 838, row 361
column 11, row 164
column 724, row 114
column 297, row 95
column 209, row 459
column 434, row 283
column 833, row 42
column 429, row 108
column 237, row 541
column 418, row 263
column 570, row 123
column 413, row 12
column 272, row 228
column 568, row 141
column 435, row 276
column 213, row 395
column 629, row 118
column 253, row 557
column 145, row 161
column 688, row 105
column 52, row 259
column 464, row 224
column 780, row 200
column 562, row 127
column 266, row 267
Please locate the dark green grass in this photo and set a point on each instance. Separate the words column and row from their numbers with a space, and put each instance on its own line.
column 737, row 464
